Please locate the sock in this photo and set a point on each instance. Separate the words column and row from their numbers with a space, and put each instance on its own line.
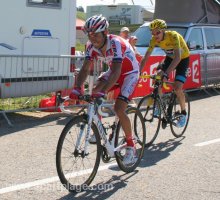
column 183, row 112
column 130, row 142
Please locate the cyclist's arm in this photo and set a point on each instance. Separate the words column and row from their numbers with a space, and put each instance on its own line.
column 83, row 73
column 114, row 76
column 144, row 60
column 175, row 61
column 147, row 54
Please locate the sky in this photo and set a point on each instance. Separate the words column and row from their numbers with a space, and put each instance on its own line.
column 84, row 3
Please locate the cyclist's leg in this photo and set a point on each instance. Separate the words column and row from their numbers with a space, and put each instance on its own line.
column 181, row 73
column 178, row 87
column 127, row 86
column 180, row 79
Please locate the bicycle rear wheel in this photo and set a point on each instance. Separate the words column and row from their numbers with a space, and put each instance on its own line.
column 139, row 131
column 151, row 120
column 176, row 110
column 76, row 168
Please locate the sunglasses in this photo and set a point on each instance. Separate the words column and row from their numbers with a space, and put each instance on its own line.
column 89, row 31
column 92, row 29
column 156, row 34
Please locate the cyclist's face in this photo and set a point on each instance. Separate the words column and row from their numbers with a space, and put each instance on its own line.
column 97, row 39
column 158, row 34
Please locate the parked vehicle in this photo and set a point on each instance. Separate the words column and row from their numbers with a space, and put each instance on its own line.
column 33, row 36
column 202, row 39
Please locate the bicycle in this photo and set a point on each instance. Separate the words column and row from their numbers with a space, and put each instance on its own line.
column 78, row 160
column 168, row 110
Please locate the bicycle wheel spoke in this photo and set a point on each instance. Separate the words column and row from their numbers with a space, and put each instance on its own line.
column 152, row 122
column 176, row 113
column 74, row 166
column 138, row 129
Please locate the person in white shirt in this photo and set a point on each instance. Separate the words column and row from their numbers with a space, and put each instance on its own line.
column 124, row 33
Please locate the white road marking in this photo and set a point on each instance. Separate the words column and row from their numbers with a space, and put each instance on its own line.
column 207, row 142
column 51, row 180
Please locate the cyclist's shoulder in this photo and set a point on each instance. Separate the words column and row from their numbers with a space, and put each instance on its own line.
column 172, row 35
column 115, row 39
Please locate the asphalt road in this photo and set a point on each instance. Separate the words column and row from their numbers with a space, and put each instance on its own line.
column 184, row 168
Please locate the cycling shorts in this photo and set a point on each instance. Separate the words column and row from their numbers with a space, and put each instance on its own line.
column 181, row 69
column 126, row 84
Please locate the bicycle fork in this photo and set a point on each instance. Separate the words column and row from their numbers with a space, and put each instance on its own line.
column 78, row 149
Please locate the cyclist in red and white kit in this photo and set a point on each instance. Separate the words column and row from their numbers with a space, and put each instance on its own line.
column 123, row 72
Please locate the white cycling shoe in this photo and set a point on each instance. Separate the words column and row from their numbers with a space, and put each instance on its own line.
column 130, row 156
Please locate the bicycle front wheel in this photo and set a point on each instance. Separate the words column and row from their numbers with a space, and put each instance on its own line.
column 76, row 167
column 139, row 136
column 176, row 110
column 152, row 120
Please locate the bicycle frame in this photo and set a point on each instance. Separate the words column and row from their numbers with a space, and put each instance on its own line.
column 92, row 115
column 166, row 111
column 155, row 95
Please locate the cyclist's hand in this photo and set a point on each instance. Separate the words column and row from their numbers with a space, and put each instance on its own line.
column 160, row 67
column 98, row 94
column 76, row 92
column 165, row 77
column 160, row 73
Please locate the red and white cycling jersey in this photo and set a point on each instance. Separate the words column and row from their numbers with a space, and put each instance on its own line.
column 118, row 50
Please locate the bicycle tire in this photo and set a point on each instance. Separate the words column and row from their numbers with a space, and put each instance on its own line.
column 152, row 123
column 120, row 140
column 70, row 131
column 176, row 131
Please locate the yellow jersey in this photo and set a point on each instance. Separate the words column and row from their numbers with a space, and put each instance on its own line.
column 172, row 40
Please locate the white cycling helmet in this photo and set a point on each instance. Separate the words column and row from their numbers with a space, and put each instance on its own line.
column 96, row 24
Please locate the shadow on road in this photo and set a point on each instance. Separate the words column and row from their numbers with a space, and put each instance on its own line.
column 159, row 151
column 23, row 121
column 203, row 93
column 152, row 156
column 108, row 188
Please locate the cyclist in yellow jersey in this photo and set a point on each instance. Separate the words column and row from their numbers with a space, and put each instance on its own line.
column 177, row 58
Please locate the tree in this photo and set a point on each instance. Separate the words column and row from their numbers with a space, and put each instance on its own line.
column 80, row 8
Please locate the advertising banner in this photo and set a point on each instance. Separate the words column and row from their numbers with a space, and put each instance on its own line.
column 145, row 85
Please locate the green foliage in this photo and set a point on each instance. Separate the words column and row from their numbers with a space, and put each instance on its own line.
column 22, row 102
column 80, row 47
column 81, row 15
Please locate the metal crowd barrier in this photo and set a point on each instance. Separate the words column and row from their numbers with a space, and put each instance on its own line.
column 211, row 67
column 26, row 80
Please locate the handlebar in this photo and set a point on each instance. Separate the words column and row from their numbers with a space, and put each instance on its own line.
column 88, row 98
column 158, row 78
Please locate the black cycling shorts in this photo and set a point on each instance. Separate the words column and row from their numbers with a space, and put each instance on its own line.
column 181, row 68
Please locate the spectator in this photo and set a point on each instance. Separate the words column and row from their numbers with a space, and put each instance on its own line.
column 133, row 41
column 124, row 33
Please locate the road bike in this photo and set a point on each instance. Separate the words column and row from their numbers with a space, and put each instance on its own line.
column 168, row 110
column 78, row 160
